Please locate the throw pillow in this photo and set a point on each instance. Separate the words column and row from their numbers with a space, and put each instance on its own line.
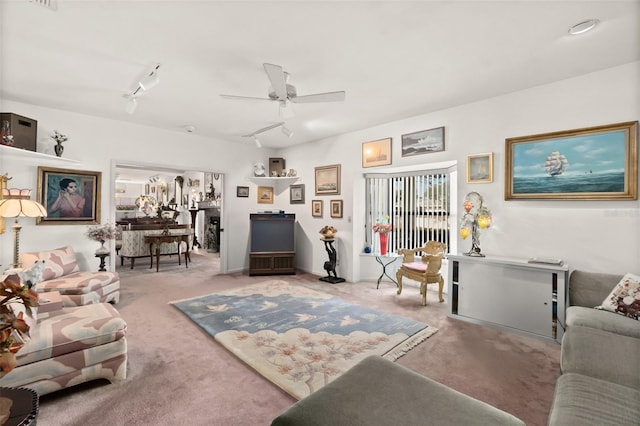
column 33, row 274
column 59, row 262
column 624, row 299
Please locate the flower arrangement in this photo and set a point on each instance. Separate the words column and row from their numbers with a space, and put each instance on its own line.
column 102, row 233
column 14, row 330
column 59, row 137
column 383, row 226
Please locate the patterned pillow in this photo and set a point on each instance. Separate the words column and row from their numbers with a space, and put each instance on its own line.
column 624, row 299
column 58, row 262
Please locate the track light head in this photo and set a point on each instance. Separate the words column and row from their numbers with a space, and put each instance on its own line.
column 151, row 80
column 257, row 141
column 287, row 132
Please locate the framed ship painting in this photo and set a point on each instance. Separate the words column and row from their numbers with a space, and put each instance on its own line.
column 594, row 163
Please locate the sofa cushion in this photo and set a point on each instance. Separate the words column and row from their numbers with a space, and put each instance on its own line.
column 624, row 299
column 602, row 355
column 602, row 320
column 58, row 262
column 586, row 401
column 379, row 392
column 72, row 330
column 79, row 282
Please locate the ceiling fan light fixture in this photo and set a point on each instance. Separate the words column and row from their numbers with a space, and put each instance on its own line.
column 287, row 132
column 286, row 110
column 131, row 105
column 583, row 27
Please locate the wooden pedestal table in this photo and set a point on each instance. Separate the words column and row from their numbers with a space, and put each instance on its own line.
column 157, row 240
column 330, row 265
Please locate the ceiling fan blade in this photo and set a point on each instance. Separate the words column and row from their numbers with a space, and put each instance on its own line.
column 320, row 97
column 241, row 98
column 277, row 79
column 264, row 129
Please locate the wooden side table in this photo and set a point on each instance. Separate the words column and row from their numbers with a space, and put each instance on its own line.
column 102, row 257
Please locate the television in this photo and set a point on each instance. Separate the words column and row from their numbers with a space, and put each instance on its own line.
column 272, row 232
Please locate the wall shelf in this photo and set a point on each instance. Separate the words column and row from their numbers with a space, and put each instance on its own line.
column 270, row 180
column 17, row 152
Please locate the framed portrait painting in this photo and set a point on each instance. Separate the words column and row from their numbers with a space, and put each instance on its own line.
column 593, row 163
column 423, row 142
column 296, row 194
column 316, row 208
column 376, row 153
column 265, row 195
column 71, row 197
column 328, row 180
column 480, row 168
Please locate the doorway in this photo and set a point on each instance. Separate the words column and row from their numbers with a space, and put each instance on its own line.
column 192, row 197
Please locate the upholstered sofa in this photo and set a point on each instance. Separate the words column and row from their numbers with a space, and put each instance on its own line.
column 77, row 288
column 600, row 381
column 69, row 346
column 134, row 246
column 599, row 385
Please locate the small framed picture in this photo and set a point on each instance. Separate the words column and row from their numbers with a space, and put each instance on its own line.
column 423, row 142
column 242, row 191
column 296, row 194
column 316, row 208
column 265, row 195
column 376, row 153
column 480, row 168
column 336, row 208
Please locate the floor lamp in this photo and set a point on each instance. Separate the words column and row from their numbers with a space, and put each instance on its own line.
column 14, row 203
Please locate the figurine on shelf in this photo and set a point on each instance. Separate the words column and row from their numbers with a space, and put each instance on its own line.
column 259, row 170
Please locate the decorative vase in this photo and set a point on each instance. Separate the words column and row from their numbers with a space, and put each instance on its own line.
column 59, row 149
column 384, row 239
column 102, row 249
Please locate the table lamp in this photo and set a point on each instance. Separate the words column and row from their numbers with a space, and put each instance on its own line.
column 476, row 216
column 14, row 203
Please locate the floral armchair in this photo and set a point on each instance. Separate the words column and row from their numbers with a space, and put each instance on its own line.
column 426, row 270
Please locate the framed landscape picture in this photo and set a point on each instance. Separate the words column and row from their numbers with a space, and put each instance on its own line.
column 242, row 191
column 328, row 180
column 480, row 168
column 423, row 142
column 71, row 197
column 296, row 194
column 376, row 153
column 265, row 195
column 336, row 208
column 594, row 163
column 316, row 208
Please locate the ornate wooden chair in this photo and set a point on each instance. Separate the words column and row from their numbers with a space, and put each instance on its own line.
column 426, row 270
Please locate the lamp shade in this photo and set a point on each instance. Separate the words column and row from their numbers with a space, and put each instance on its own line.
column 16, row 202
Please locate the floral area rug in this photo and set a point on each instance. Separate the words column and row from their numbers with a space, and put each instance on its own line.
column 300, row 339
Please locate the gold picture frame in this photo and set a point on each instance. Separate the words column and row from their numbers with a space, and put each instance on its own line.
column 592, row 163
column 265, row 195
column 328, row 180
column 480, row 168
column 71, row 197
column 316, row 208
column 376, row 153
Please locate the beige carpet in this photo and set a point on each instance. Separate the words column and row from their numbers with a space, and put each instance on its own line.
column 178, row 375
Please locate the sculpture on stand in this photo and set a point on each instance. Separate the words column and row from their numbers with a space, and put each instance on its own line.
column 328, row 237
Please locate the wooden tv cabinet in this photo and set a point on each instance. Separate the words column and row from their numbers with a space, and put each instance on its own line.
column 272, row 263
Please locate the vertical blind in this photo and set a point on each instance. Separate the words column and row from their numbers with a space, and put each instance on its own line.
column 416, row 205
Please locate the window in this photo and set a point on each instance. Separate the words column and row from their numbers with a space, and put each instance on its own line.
column 417, row 205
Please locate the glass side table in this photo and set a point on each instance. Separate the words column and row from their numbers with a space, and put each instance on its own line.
column 386, row 260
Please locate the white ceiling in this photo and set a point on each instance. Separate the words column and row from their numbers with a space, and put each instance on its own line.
column 394, row 59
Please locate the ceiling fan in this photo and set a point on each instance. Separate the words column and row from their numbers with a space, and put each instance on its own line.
column 283, row 92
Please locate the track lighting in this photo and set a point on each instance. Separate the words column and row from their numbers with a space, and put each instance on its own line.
column 257, row 141
column 150, row 80
column 288, row 133
column 286, row 110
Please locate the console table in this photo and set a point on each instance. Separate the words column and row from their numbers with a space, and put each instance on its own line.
column 509, row 293
column 160, row 239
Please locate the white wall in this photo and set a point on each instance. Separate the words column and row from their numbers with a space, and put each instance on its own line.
column 591, row 235
column 596, row 236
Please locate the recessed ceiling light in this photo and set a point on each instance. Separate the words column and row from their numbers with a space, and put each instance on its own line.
column 583, row 27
